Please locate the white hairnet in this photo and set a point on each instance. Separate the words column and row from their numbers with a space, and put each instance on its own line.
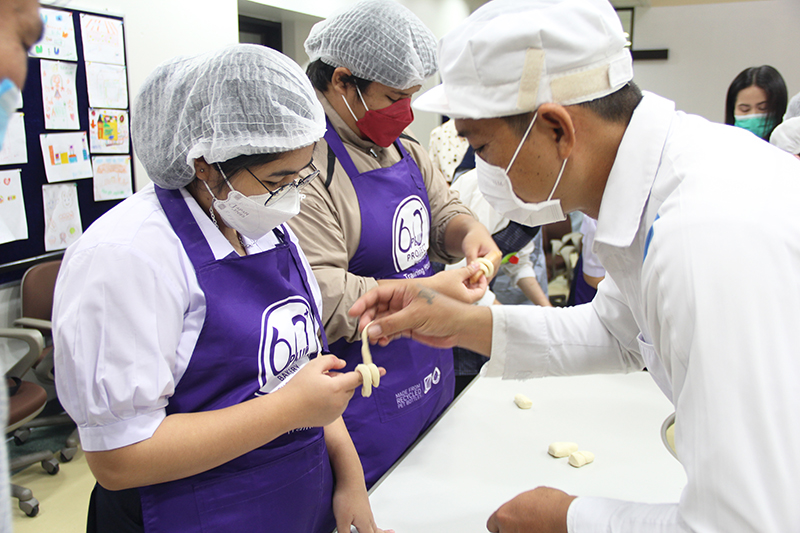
column 377, row 40
column 241, row 100
column 787, row 136
column 793, row 109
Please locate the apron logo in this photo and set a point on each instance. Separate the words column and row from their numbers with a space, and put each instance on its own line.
column 411, row 229
column 432, row 379
column 288, row 338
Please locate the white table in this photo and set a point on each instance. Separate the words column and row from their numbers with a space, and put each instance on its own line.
column 485, row 450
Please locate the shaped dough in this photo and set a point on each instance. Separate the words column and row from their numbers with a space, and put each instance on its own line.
column 370, row 375
column 581, row 458
column 562, row 449
column 523, row 402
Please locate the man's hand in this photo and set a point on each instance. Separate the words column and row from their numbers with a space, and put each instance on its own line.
column 541, row 510
column 416, row 311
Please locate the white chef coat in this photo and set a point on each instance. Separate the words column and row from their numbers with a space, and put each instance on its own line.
column 127, row 314
column 692, row 214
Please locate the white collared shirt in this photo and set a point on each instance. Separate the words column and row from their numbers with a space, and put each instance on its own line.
column 127, row 314
column 698, row 234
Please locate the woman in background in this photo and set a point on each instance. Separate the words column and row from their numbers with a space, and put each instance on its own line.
column 379, row 213
column 756, row 100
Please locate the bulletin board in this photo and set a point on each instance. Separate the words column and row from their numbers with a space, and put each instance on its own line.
column 67, row 155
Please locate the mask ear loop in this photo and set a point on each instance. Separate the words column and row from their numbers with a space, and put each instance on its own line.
column 558, row 179
column 348, row 105
column 519, row 146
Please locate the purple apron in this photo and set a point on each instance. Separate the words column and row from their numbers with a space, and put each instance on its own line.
column 261, row 324
column 419, row 381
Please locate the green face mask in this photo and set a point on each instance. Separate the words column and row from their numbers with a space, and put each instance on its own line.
column 756, row 123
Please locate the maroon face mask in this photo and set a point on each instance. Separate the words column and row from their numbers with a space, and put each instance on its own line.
column 384, row 126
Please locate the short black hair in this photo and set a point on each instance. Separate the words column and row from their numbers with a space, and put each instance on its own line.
column 321, row 74
column 232, row 166
column 616, row 107
column 768, row 79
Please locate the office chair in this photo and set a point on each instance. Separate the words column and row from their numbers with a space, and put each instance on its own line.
column 36, row 291
column 25, row 401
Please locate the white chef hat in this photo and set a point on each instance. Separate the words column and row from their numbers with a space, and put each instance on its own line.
column 793, row 109
column 377, row 40
column 787, row 136
column 511, row 56
column 241, row 100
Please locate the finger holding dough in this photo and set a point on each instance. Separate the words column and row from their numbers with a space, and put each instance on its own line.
column 486, row 266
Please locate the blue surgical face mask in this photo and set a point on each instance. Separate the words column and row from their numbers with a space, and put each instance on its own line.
column 9, row 97
column 755, row 123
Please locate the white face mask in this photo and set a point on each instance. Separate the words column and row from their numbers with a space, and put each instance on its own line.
column 249, row 216
column 495, row 185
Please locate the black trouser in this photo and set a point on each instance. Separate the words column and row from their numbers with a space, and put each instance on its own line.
column 114, row 511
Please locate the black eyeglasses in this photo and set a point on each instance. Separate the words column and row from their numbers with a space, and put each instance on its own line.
column 304, row 177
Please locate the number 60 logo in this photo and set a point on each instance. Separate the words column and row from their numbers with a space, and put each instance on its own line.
column 410, row 233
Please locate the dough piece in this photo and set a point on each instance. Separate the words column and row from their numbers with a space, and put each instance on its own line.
column 523, row 402
column 366, row 378
column 581, row 458
column 486, row 265
column 370, row 374
column 562, row 449
column 366, row 354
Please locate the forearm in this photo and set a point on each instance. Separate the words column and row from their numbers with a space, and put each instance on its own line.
column 190, row 443
column 531, row 289
column 340, row 289
column 344, row 459
column 475, row 329
column 457, row 229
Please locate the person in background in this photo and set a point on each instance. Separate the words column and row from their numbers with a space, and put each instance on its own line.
column 448, row 150
column 543, row 91
column 20, row 28
column 588, row 272
column 380, row 213
column 787, row 136
column 189, row 348
column 516, row 242
column 756, row 100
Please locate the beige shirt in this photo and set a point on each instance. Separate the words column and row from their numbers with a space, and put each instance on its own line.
column 329, row 223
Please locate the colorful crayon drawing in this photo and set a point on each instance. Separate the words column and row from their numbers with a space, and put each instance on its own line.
column 112, row 177
column 13, row 222
column 59, row 95
column 108, row 131
column 102, row 39
column 66, row 156
column 58, row 41
column 62, row 216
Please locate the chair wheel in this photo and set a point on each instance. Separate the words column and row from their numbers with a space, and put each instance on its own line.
column 30, row 507
column 21, row 436
column 51, row 466
column 67, row 454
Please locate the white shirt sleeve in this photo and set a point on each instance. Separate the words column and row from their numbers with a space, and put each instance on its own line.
column 118, row 323
column 532, row 341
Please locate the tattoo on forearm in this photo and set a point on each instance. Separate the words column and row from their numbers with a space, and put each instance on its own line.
column 428, row 295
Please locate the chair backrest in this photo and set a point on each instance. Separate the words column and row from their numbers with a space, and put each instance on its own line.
column 38, row 285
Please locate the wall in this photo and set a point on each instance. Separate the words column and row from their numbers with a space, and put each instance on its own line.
column 155, row 30
column 710, row 44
